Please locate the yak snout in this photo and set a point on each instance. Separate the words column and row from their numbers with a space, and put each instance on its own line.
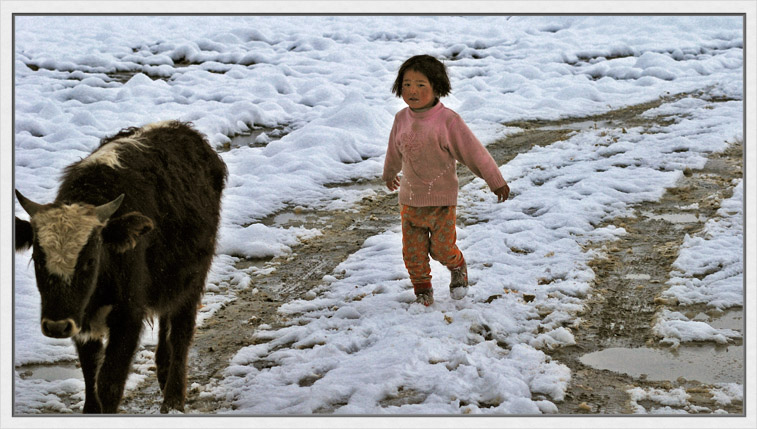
column 65, row 328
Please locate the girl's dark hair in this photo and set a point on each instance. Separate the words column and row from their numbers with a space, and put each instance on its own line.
column 434, row 70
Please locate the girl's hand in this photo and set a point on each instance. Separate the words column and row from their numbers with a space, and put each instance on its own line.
column 502, row 193
column 393, row 184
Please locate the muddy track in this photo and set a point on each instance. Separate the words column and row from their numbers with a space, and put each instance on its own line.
column 629, row 279
column 233, row 327
column 622, row 309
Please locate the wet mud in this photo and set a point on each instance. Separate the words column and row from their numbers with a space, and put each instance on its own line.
column 630, row 276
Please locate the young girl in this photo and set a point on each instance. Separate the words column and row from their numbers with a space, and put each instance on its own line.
column 426, row 141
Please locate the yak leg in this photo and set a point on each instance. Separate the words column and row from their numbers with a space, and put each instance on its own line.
column 181, row 331
column 163, row 353
column 122, row 344
column 90, row 354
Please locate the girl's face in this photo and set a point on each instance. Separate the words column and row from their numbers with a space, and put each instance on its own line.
column 417, row 91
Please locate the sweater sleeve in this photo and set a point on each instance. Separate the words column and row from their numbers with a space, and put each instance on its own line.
column 468, row 150
column 393, row 160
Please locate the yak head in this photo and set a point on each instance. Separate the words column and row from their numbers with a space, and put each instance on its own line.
column 69, row 242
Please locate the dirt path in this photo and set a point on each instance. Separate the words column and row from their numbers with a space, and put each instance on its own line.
column 650, row 248
column 629, row 280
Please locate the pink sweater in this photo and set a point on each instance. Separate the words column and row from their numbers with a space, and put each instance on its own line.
column 425, row 147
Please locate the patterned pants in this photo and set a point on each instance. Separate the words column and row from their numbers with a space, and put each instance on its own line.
column 428, row 231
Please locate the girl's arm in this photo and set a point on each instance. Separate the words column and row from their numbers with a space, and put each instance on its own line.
column 468, row 150
column 393, row 161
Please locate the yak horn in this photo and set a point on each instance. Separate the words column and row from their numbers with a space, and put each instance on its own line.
column 105, row 211
column 28, row 205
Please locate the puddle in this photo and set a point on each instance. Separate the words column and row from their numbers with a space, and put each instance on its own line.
column 638, row 277
column 676, row 218
column 254, row 264
column 55, row 372
column 295, row 217
column 704, row 363
column 287, row 218
column 733, row 320
column 580, row 126
column 298, row 218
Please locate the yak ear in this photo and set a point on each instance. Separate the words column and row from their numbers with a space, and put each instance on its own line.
column 122, row 233
column 24, row 234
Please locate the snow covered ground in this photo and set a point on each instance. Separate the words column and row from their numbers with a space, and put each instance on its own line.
column 325, row 81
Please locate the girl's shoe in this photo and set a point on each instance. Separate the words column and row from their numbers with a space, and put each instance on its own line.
column 425, row 297
column 458, row 285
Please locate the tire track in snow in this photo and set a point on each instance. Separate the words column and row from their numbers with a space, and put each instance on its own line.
column 630, row 277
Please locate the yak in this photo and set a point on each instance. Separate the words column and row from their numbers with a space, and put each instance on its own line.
column 129, row 237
